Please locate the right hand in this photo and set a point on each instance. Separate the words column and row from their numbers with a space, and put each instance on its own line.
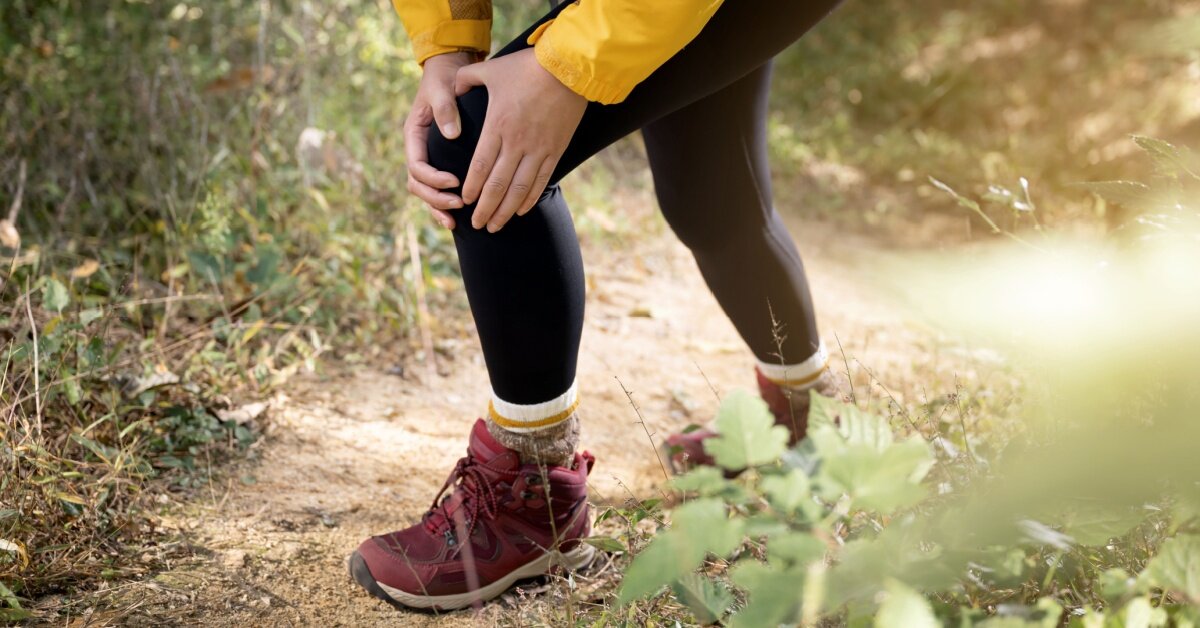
column 435, row 103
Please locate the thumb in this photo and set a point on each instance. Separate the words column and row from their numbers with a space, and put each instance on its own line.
column 469, row 76
column 445, row 113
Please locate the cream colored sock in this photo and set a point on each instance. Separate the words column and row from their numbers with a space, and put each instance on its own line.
column 554, row 445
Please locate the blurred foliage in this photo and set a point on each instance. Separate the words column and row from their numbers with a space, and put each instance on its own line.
column 1086, row 516
column 884, row 94
column 203, row 198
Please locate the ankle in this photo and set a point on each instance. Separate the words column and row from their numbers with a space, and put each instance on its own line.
column 554, row 445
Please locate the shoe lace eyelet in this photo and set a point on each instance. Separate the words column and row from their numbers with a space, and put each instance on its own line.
column 533, row 480
column 527, row 495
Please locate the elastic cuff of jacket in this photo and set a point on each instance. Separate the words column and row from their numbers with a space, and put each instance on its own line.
column 453, row 36
column 568, row 72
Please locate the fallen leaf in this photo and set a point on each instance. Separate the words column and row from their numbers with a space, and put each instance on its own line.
column 85, row 270
column 9, row 236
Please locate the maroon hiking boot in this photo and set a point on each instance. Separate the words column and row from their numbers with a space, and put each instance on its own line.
column 501, row 522
column 685, row 450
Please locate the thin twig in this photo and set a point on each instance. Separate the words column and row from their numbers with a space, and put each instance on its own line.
column 846, row 361
column 707, row 381
column 15, row 208
column 37, row 375
column 642, row 421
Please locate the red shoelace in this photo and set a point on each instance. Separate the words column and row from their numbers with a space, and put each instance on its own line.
column 472, row 490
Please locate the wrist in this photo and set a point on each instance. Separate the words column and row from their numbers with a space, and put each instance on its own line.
column 455, row 58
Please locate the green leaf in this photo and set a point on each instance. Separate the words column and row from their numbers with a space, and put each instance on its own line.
column 747, row 434
column 1187, row 505
column 89, row 315
column 1140, row 613
column 905, row 608
column 54, row 295
column 699, row 528
column 773, row 593
column 706, row 481
column 605, row 543
column 1096, row 524
column 1176, row 568
column 797, row 548
column 14, row 612
column 862, row 461
column 1169, row 160
column 787, row 492
column 1125, row 193
column 708, row 600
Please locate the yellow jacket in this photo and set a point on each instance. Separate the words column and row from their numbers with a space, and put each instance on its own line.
column 600, row 49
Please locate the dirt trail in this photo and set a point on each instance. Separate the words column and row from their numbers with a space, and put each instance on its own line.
column 362, row 451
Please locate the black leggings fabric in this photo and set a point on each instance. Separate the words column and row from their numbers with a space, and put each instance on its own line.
column 703, row 116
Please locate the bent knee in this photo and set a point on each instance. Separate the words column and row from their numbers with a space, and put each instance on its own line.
column 454, row 156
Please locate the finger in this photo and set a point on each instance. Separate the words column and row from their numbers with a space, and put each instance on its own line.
column 518, row 191
column 494, row 188
column 540, row 181
column 416, row 149
column 486, row 152
column 443, row 218
column 436, row 199
column 469, row 76
column 445, row 113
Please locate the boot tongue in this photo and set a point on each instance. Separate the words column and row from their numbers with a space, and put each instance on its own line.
column 488, row 451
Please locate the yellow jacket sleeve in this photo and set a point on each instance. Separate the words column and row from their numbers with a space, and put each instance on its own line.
column 601, row 49
column 440, row 26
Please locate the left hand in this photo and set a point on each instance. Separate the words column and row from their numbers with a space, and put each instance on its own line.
column 530, row 119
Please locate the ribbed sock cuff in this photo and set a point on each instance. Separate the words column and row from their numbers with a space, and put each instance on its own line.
column 799, row 376
column 524, row 418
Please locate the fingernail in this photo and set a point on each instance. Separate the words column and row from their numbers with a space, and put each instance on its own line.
column 450, row 129
column 493, row 228
column 455, row 204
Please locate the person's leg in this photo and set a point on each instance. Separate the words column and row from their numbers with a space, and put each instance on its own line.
column 712, row 178
column 713, row 182
column 525, row 283
column 519, row 498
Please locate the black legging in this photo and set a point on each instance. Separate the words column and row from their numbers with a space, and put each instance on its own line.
column 703, row 115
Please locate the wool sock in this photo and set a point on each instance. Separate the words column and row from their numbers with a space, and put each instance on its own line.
column 801, row 376
column 546, row 432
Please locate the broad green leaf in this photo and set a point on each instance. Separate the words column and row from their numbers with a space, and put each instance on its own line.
column 605, row 543
column 1140, row 613
column 708, row 600
column 1170, row 160
column 1096, row 524
column 747, row 434
column 699, row 528
column 797, row 548
column 54, row 295
column 1187, row 505
column 905, row 608
column 874, row 478
column 862, row 459
column 773, row 594
column 1176, row 568
column 787, row 492
column 89, row 315
column 1114, row 585
column 706, row 481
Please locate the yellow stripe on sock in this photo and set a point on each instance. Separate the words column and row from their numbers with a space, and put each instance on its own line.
column 804, row 381
column 546, row 422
